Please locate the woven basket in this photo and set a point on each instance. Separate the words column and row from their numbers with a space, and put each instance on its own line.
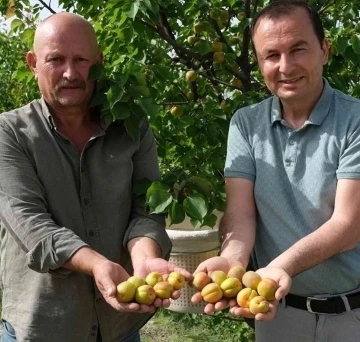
column 190, row 248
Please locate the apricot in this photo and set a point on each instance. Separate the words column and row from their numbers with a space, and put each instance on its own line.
column 218, row 276
column 218, row 57
column 190, row 76
column 212, row 293
column 259, row 305
column 216, row 46
column 231, row 287
column 177, row 280
column 244, row 297
column 145, row 294
column 236, row 272
column 251, row 279
column 153, row 277
column 125, row 292
column 176, row 111
column 163, row 289
column 200, row 280
column 267, row 288
column 137, row 281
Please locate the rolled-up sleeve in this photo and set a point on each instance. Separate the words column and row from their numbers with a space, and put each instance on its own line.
column 145, row 165
column 23, row 210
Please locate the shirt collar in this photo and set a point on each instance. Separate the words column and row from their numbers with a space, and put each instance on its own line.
column 47, row 115
column 318, row 113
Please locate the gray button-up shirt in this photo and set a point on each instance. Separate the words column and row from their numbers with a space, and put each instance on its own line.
column 53, row 201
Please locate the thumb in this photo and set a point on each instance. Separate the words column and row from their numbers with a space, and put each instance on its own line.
column 284, row 287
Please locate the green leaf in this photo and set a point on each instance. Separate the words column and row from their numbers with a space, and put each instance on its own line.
column 126, row 35
column 132, row 125
column 140, row 91
column 149, row 106
column 27, row 36
column 96, row 71
column 153, row 7
column 16, row 23
column 176, row 213
column 210, row 220
column 341, row 43
column 121, row 110
column 204, row 185
column 159, row 186
column 133, row 9
column 202, row 47
column 355, row 43
column 195, row 207
column 195, row 223
column 158, row 200
column 114, row 95
column 141, row 186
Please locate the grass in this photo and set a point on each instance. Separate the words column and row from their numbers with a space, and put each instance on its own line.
column 168, row 326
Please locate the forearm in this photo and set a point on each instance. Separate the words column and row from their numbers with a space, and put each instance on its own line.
column 237, row 235
column 84, row 260
column 143, row 248
column 331, row 238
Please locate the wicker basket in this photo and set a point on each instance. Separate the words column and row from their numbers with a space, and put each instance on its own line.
column 190, row 248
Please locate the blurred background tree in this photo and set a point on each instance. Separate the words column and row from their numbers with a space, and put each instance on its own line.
column 185, row 65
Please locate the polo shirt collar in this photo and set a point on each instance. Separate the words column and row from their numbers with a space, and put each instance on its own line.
column 318, row 113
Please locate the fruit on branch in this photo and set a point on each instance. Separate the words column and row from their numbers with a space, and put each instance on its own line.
column 176, row 111
column 219, row 57
column 190, row 76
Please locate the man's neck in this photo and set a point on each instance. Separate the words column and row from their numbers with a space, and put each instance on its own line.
column 296, row 113
column 77, row 126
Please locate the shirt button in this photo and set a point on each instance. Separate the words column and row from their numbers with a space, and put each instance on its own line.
column 291, row 142
column 93, row 334
column 91, row 233
column 94, row 327
column 86, row 201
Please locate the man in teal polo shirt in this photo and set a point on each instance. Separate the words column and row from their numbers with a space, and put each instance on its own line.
column 293, row 186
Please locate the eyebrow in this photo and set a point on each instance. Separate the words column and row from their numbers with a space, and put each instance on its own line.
column 295, row 45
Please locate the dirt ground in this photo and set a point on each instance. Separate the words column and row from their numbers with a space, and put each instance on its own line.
column 154, row 332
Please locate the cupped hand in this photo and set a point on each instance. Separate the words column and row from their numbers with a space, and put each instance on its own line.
column 284, row 284
column 164, row 267
column 208, row 266
column 108, row 275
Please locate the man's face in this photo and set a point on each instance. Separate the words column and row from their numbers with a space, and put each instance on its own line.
column 61, row 65
column 290, row 57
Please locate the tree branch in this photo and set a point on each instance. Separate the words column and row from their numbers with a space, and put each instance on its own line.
column 46, row 6
column 327, row 4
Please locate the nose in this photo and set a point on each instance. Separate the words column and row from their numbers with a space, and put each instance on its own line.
column 286, row 64
column 69, row 71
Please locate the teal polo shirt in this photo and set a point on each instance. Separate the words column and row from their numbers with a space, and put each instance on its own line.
column 295, row 172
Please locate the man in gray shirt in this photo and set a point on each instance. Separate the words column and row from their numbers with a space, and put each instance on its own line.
column 68, row 215
column 293, row 186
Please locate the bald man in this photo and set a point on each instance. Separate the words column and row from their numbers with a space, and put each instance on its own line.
column 71, row 227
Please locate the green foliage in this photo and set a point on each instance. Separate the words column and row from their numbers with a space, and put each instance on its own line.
column 149, row 46
column 17, row 86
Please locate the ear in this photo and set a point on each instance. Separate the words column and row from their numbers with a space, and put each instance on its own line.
column 31, row 61
column 100, row 58
column 325, row 49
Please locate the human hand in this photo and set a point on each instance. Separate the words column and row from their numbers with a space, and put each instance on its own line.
column 164, row 267
column 208, row 266
column 284, row 284
column 108, row 275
